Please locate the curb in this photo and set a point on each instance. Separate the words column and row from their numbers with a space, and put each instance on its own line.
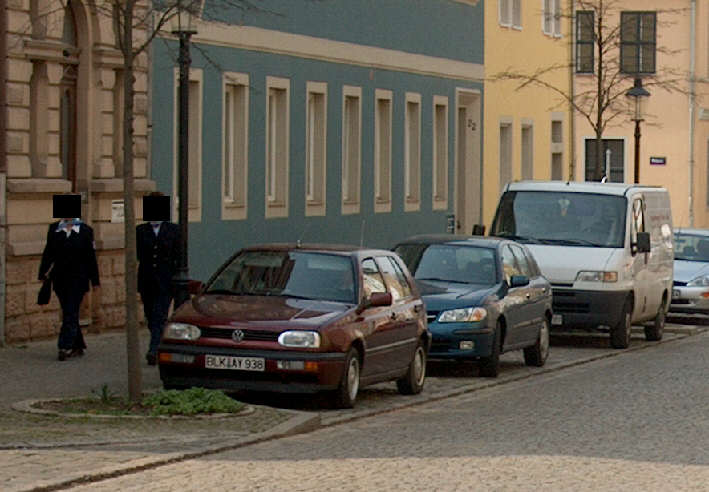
column 301, row 422
column 28, row 407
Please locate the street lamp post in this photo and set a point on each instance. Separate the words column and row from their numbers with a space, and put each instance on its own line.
column 638, row 94
column 183, row 30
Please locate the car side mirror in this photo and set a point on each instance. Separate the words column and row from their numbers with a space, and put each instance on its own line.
column 194, row 287
column 643, row 242
column 375, row 300
column 519, row 280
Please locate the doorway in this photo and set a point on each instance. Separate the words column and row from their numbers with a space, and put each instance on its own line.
column 468, row 168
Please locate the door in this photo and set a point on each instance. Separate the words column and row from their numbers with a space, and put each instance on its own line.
column 468, row 169
column 534, row 308
column 640, row 269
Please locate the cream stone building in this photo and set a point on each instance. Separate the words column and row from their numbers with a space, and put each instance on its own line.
column 62, row 83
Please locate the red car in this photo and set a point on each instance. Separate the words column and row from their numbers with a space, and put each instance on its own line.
column 301, row 319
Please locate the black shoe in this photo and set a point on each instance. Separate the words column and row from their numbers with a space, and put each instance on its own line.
column 77, row 352
column 63, row 354
column 151, row 358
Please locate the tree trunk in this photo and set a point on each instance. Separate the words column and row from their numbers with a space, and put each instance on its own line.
column 131, row 276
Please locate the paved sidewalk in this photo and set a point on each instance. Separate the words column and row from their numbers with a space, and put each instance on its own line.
column 39, row 452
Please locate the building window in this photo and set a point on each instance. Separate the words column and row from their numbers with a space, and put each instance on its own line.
column 612, row 160
column 510, row 13
column 440, row 153
column 351, row 148
column 235, row 141
column 194, row 144
column 382, row 150
column 412, row 152
column 315, row 148
column 527, row 147
column 552, row 17
column 585, row 39
column 277, row 146
column 637, row 42
column 505, row 153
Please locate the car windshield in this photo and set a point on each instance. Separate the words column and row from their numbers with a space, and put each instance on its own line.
column 691, row 247
column 450, row 263
column 578, row 219
column 306, row 275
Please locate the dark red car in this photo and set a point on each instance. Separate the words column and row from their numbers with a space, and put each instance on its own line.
column 302, row 319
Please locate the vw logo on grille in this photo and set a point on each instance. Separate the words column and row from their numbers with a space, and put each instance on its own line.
column 237, row 335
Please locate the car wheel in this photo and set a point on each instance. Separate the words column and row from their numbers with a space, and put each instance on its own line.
column 537, row 354
column 655, row 330
column 490, row 366
column 412, row 382
column 346, row 394
column 620, row 333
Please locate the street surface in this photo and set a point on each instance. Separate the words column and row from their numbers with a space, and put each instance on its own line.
column 636, row 421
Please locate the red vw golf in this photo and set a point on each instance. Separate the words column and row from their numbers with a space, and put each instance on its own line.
column 301, row 319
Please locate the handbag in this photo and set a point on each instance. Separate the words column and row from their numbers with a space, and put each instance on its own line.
column 45, row 292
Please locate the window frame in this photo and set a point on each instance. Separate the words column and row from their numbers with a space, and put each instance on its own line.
column 551, row 18
column 351, row 204
column 440, row 169
column 234, row 206
column 277, row 171
column 382, row 194
column 412, row 163
column 580, row 14
column 638, row 43
column 315, row 173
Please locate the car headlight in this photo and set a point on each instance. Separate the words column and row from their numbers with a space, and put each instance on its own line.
column 463, row 315
column 299, row 339
column 593, row 276
column 182, row 331
column 701, row 281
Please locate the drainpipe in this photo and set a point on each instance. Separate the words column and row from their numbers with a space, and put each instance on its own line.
column 692, row 88
column 572, row 119
column 3, row 162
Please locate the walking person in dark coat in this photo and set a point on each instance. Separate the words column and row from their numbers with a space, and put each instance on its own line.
column 71, row 255
column 158, row 249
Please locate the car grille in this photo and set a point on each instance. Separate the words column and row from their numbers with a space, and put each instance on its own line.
column 249, row 335
column 565, row 302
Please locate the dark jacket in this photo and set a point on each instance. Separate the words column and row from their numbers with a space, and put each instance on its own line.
column 72, row 258
column 158, row 256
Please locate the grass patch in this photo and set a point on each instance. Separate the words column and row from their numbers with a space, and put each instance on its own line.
column 193, row 401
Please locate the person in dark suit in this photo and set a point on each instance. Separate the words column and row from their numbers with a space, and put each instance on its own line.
column 71, row 255
column 158, row 249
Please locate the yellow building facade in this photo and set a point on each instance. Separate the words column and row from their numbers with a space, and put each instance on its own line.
column 527, row 129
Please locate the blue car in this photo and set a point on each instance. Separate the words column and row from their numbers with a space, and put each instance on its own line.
column 483, row 296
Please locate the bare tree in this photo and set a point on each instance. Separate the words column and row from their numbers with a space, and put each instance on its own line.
column 600, row 97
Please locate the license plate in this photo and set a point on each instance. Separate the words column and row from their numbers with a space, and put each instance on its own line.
column 675, row 294
column 234, row 363
column 556, row 319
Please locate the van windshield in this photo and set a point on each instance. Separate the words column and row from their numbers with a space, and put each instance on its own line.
column 576, row 219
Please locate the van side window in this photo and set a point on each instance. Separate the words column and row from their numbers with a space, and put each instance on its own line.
column 638, row 220
column 509, row 264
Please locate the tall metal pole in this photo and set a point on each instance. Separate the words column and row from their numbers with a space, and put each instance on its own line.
column 181, row 279
column 637, row 151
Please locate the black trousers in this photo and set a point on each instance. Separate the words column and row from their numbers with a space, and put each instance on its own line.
column 70, row 336
column 156, row 304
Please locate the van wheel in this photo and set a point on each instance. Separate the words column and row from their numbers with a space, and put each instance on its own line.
column 346, row 394
column 655, row 330
column 490, row 366
column 412, row 382
column 620, row 333
column 537, row 354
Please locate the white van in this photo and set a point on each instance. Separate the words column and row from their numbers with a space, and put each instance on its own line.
column 606, row 248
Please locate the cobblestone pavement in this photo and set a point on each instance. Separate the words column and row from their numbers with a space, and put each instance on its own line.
column 635, row 422
column 45, row 451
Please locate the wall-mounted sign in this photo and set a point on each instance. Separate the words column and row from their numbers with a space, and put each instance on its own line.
column 117, row 211
column 658, row 161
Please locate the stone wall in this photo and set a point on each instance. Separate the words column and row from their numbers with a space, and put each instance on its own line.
column 26, row 320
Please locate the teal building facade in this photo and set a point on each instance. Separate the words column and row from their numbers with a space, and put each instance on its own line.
column 336, row 121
